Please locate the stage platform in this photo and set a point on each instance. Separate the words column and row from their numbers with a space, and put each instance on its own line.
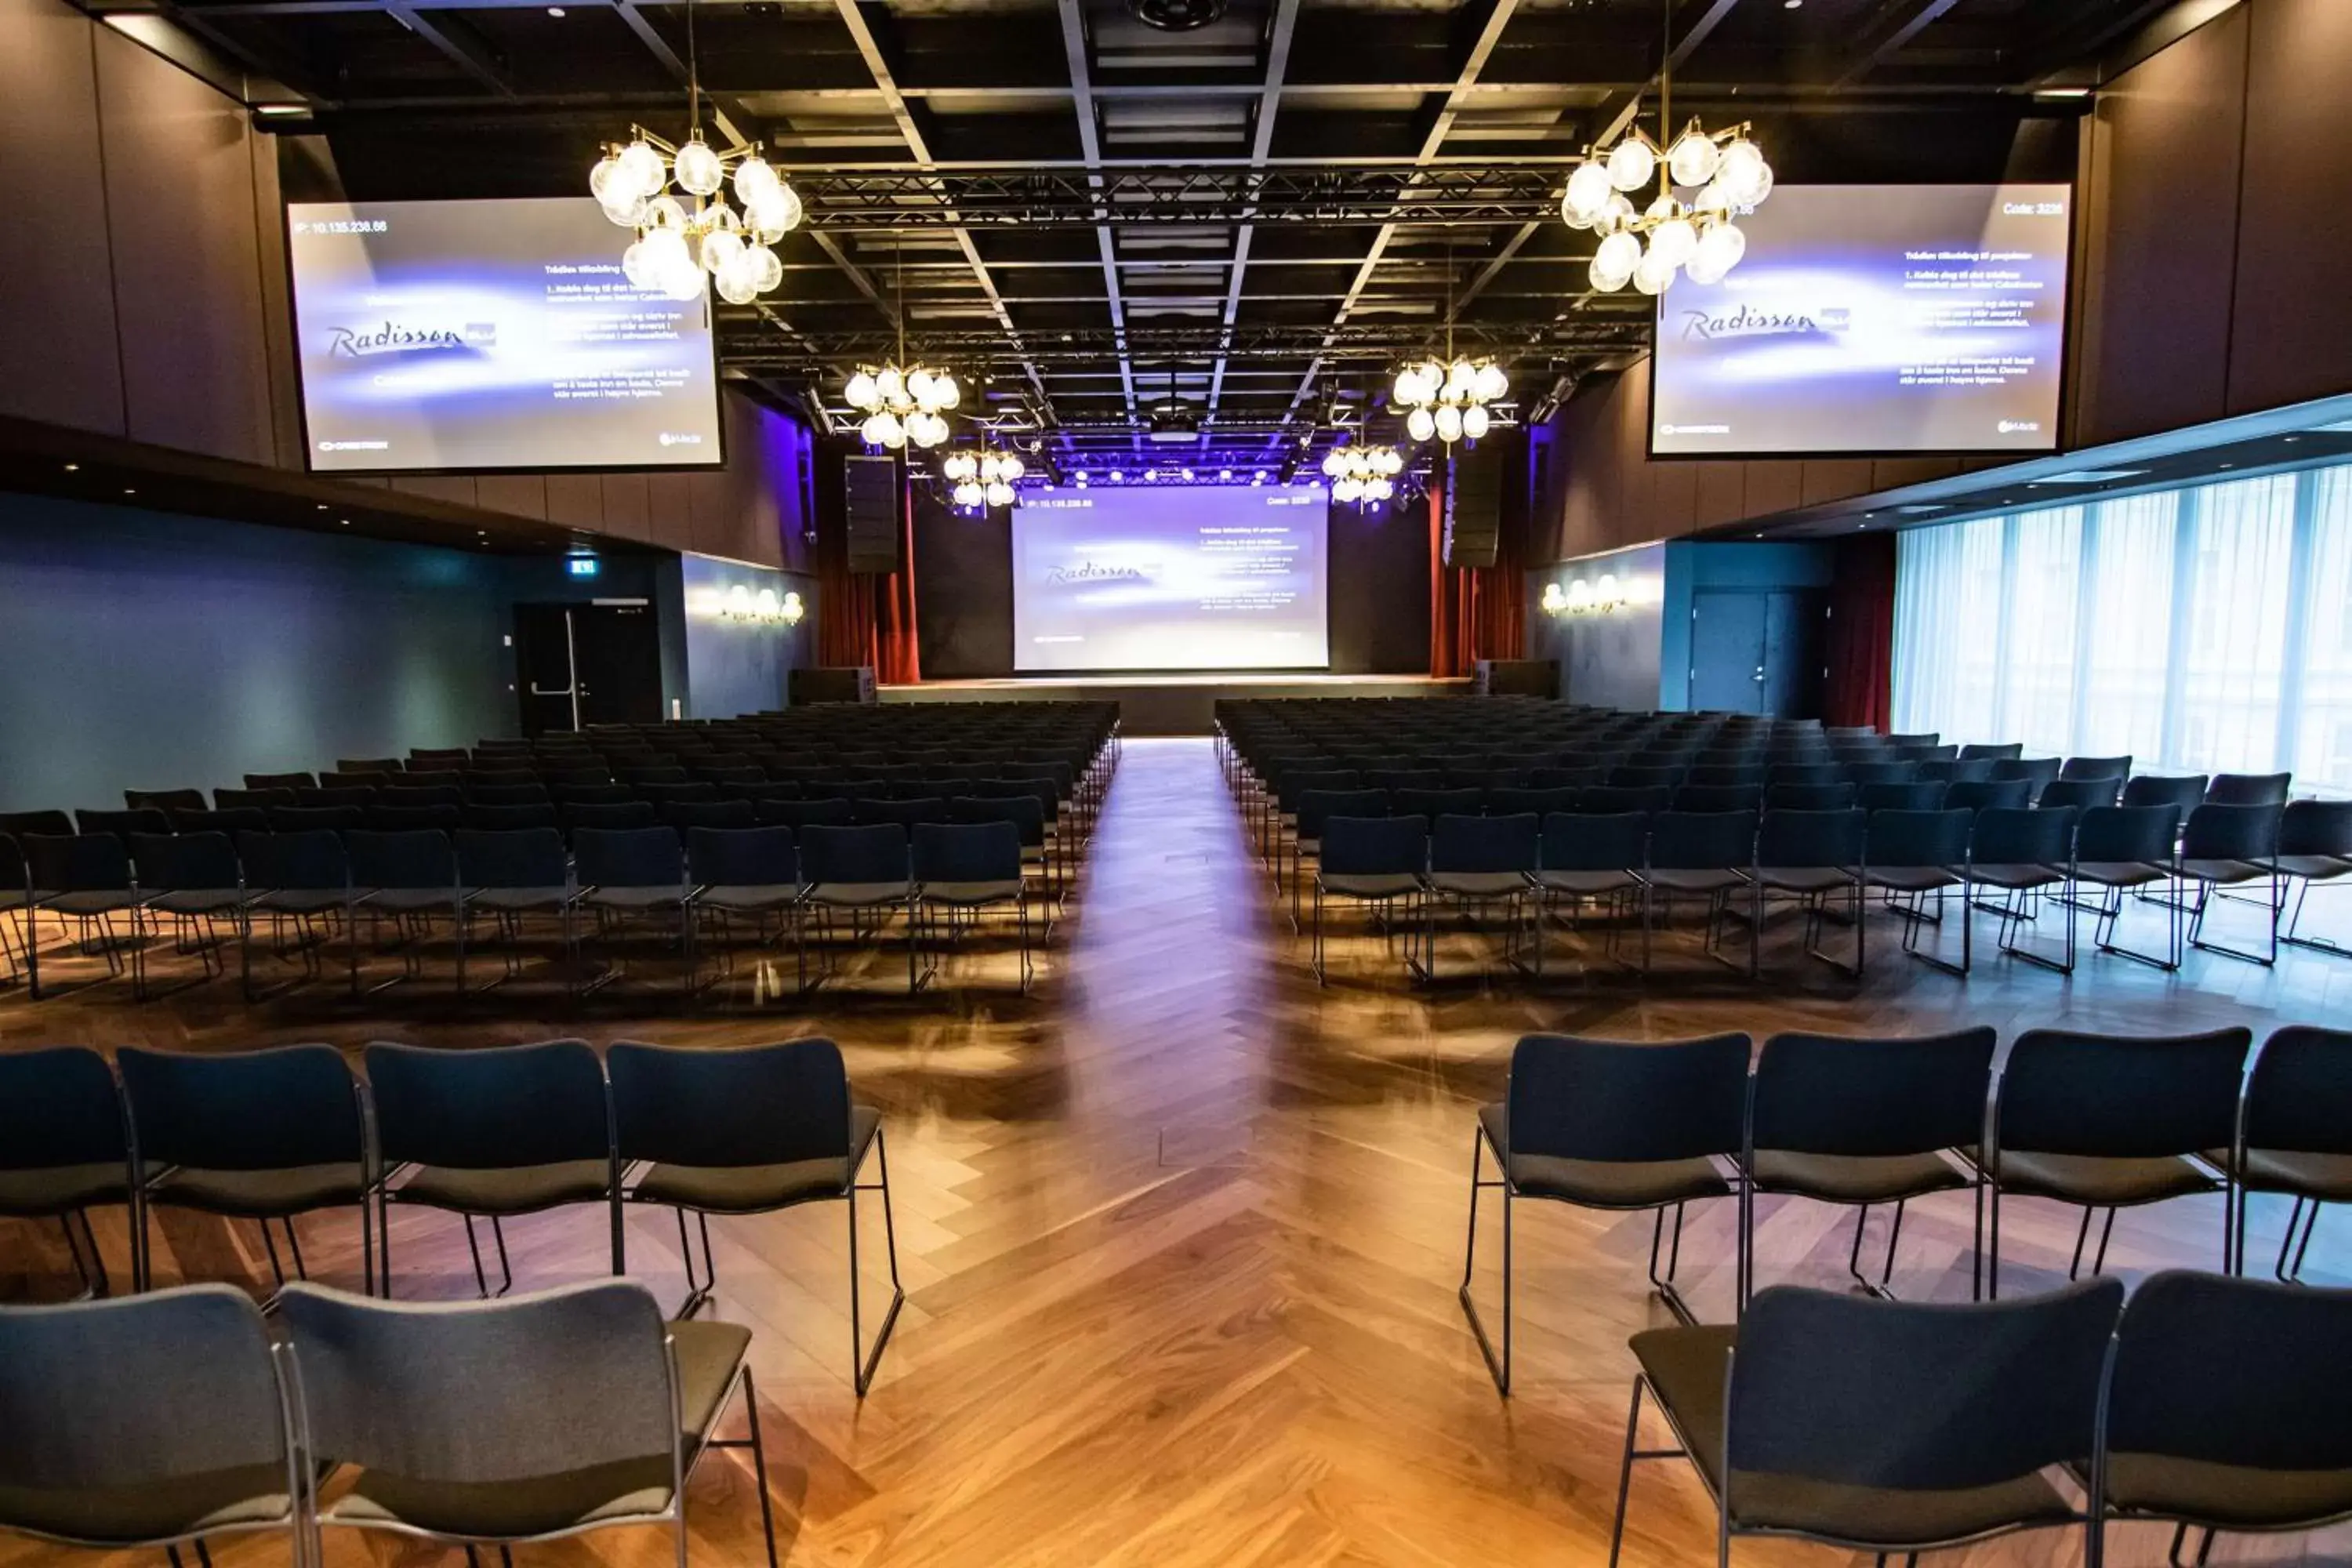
column 1171, row 704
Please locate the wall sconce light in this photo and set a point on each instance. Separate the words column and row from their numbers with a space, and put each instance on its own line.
column 1584, row 597
column 1555, row 599
column 794, row 610
column 763, row 607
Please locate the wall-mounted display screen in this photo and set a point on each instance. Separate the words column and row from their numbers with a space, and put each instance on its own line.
column 471, row 335
column 1172, row 577
column 1873, row 319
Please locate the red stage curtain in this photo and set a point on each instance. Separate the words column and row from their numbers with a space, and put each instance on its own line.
column 867, row 619
column 1474, row 613
column 1861, row 633
column 898, row 660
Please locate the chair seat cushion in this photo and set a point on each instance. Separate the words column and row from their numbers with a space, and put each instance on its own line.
column 90, row 903
column 2101, row 1180
column 196, row 900
column 755, row 1189
column 1586, row 881
column 856, row 895
column 1855, row 1178
column 512, row 1509
column 2227, row 1495
column 1374, row 885
column 255, row 1194
column 2118, row 873
column 663, row 898
column 2327, row 1177
column 1601, row 1184
column 514, row 900
column 298, row 901
column 2017, row 876
column 1911, row 879
column 1478, row 884
column 2225, row 873
column 46, row 1190
column 971, row 894
column 1805, row 878
column 2314, row 867
column 515, row 1189
column 151, row 1510
column 408, row 901
column 750, row 896
column 1686, row 1367
column 1698, row 879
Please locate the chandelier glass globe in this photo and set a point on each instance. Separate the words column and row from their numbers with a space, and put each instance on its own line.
column 697, row 168
column 1449, row 422
column 1476, row 421
column 914, row 397
column 1631, row 163
column 654, row 187
column 967, row 494
column 1587, row 196
column 1421, row 425
column 1705, row 180
column 1361, row 474
column 1695, row 158
column 1435, row 393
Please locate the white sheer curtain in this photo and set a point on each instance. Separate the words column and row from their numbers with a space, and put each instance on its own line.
column 2204, row 630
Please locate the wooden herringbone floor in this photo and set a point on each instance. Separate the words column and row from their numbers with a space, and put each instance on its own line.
column 1180, row 1233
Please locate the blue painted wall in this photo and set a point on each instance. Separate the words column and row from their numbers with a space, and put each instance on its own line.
column 734, row 666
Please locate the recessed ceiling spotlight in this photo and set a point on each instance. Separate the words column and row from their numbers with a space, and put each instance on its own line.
column 1117, row 475
column 344, row 520
column 1792, row 4
column 1188, row 475
column 555, row 10
column 73, row 468
column 129, row 491
column 2224, row 465
column 1225, row 473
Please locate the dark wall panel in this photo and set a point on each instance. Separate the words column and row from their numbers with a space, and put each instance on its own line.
column 964, row 591
column 735, row 666
column 1379, row 589
column 179, row 651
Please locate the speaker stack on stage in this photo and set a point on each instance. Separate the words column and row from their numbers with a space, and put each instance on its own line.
column 1473, row 505
column 870, row 492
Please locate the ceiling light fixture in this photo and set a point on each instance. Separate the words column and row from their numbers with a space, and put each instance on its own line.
column 689, row 231
column 903, row 401
column 1364, row 475
column 1723, row 172
column 1447, row 398
column 983, row 477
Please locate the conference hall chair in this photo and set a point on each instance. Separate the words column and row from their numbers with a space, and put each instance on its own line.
column 1803, row 776
column 1982, row 752
column 509, row 876
column 84, row 879
column 1883, row 1427
column 637, row 874
column 814, row 812
column 1373, row 862
column 862, row 872
column 1989, row 795
column 317, row 818
column 1708, row 856
column 251, row 799
column 2295, row 1135
column 330, row 794
column 2095, row 768
column 2249, row 789
column 2230, row 847
column 2225, row 1412
column 2024, row 852
column 189, row 882
column 568, row 790
column 441, row 819
column 1952, row 771
column 2113, row 1122
column 302, row 881
column 754, row 1131
column 416, row 793
column 279, row 781
column 490, row 1133
column 1810, row 798
column 539, row 1417
column 375, row 765
column 1908, row 855
column 2079, row 794
column 2121, row 849
column 1584, row 856
column 1919, row 796
column 1864, row 1123
column 1809, row 856
column 2034, row 773
column 750, row 873
column 148, row 1423
column 1615, row 1125
column 1478, row 863
column 1429, row 804
column 1032, row 815
column 1703, row 798
column 962, row 869
column 2315, row 848
column 407, row 877
column 2184, row 792
column 682, row 815
column 264, row 1135
column 64, row 1148
column 1607, row 800
column 1725, row 775
column 164, row 800
column 1867, row 775
column 1315, row 808
column 21, row 824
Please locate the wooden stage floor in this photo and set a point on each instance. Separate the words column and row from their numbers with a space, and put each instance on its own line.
column 1180, row 1235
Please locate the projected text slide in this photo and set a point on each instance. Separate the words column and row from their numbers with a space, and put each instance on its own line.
column 1200, row 577
column 472, row 335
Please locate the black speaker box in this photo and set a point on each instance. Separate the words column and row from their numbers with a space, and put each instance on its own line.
column 1473, row 505
column 870, row 503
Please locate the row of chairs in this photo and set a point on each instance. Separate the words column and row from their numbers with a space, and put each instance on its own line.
column 2095, row 1120
column 485, row 1134
column 208, row 891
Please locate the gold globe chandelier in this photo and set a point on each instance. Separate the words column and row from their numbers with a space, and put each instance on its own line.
column 1364, row 475
column 982, row 478
column 1706, row 179
column 902, row 402
column 1446, row 397
column 674, row 196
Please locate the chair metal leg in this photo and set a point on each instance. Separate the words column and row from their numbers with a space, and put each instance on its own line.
column 1854, row 1258
column 863, row 1369
column 2292, row 936
column 2106, row 1232
column 1625, row 1470
column 698, row 1290
column 1497, row 1367
column 1664, row 1284
column 760, row 1466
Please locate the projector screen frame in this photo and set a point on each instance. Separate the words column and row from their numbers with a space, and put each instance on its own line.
column 293, row 318
column 2066, row 349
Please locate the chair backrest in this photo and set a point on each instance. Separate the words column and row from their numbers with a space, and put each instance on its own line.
column 2079, row 794
column 419, row 857
column 2299, row 1092
column 130, row 1393
column 1480, row 844
column 685, row 813
column 316, row 818
column 139, row 819
column 23, row 824
column 628, row 857
column 2034, row 770
column 756, row 1105
column 489, row 1107
column 1812, row 838
column 171, row 862
column 521, row 858
column 2068, row 1092
column 2119, row 834
column 309, row 861
column 417, row 794
column 59, row 1106
column 1856, row 1392
column 244, row 1110
column 1609, row 800
column 2249, row 789
column 2225, row 1370
column 1719, row 797
column 967, row 852
column 2181, row 792
column 875, row 852
column 485, row 1393
column 165, row 799
column 441, row 819
column 1810, row 798
column 1429, row 804
column 1979, row 751
column 818, row 811
column 1834, row 1094
column 1627, row 1101
column 1694, row 841
column 378, row 766
column 2231, row 833
column 509, row 818
column 280, row 780
column 1317, row 806
column 2095, row 768
column 2316, row 827
column 327, row 794
column 1375, row 845
column 1801, row 773
column 741, row 857
column 251, row 799
column 1921, row 794
column 2022, row 836
column 1917, row 839
column 1587, row 841
column 85, row 863
column 1511, row 800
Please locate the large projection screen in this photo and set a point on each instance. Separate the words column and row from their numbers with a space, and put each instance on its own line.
column 1172, row 577
column 1873, row 319
column 469, row 336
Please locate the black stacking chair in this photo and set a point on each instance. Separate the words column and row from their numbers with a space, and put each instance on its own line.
column 1615, row 1125
column 1374, row 861
column 2314, row 848
column 1802, row 776
column 1479, row 863
column 147, row 819
column 2023, row 852
column 2231, row 846
column 1583, row 856
column 490, row 1133
column 261, row 1135
column 317, row 818
column 302, row 881
column 683, row 814
column 1602, row 800
column 2079, row 794
column 1845, row 1420
column 2120, row 849
column 278, row 781
column 613, row 817
column 2184, row 794
column 251, row 799
column 1920, row 795
column 1810, row 798
column 1981, row 753
column 2248, row 789
column 1870, row 1121
column 748, row 1132
column 632, row 873
column 1950, row 772
column 2295, row 1135
column 1877, row 775
column 324, row 796
column 1988, row 794
column 906, row 814
column 2111, row 1121
column 1709, row 856
column 1315, row 807
column 17, row 932
column 1724, row 776
column 85, row 879
column 420, row 793
column 441, row 819
column 814, row 812
column 191, row 881
column 1704, row 798
column 408, row 878
column 63, row 1150
column 476, row 818
column 377, row 766
column 2226, row 1408
column 601, row 791
column 669, row 794
column 749, row 872
column 230, row 822
column 503, row 795
column 1429, row 804
column 1808, row 855
column 164, row 800
column 1040, row 850
column 507, row 876
column 1909, row 854
column 862, row 872
column 962, row 869
column 2095, row 768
